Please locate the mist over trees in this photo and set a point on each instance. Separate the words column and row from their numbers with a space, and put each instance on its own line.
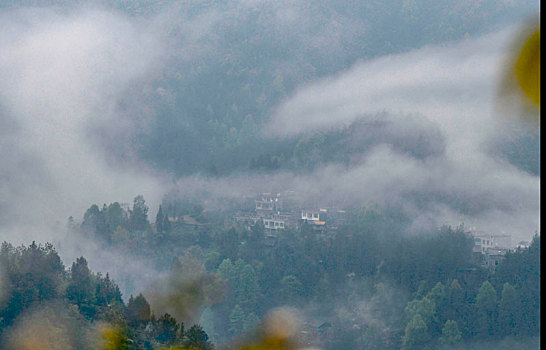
column 386, row 111
column 392, row 289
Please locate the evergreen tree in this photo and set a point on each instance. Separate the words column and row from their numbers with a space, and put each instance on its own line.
column 236, row 320
column 423, row 307
column 438, row 295
column 291, row 289
column 247, row 289
column 168, row 331
column 138, row 310
column 81, row 289
column 416, row 335
column 94, row 222
column 509, row 310
column 115, row 217
column 455, row 303
column 159, row 220
column 139, row 214
column 486, row 304
column 166, row 223
column 450, row 333
column 228, row 243
column 197, row 338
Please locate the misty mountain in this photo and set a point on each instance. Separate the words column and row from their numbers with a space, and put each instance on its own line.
column 232, row 63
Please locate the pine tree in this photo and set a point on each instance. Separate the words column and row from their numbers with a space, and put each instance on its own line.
column 197, row 338
column 486, row 304
column 139, row 214
column 509, row 310
column 416, row 334
column 138, row 310
column 166, row 223
column 236, row 320
column 159, row 220
column 450, row 333
column 80, row 289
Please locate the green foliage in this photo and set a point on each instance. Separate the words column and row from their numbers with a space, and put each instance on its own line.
column 416, row 334
column 486, row 300
column 34, row 273
column 159, row 220
column 196, row 338
column 115, row 217
column 369, row 265
column 138, row 218
column 450, row 333
column 167, row 331
column 522, row 270
column 291, row 289
column 80, row 289
column 423, row 307
column 486, row 304
column 48, row 306
column 236, row 320
column 138, row 310
column 510, row 310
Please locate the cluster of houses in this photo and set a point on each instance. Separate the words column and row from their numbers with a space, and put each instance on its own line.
column 277, row 212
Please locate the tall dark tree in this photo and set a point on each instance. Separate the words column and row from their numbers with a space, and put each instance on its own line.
column 94, row 222
column 115, row 217
column 139, row 214
column 510, row 310
column 80, row 288
column 228, row 243
column 166, row 223
column 197, row 338
column 168, row 331
column 28, row 275
column 138, row 310
column 159, row 220
column 486, row 305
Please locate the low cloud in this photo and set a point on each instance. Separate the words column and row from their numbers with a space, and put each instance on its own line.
column 461, row 179
column 66, row 74
column 454, row 87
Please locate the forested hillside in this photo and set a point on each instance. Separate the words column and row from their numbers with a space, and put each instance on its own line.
column 372, row 284
column 312, row 174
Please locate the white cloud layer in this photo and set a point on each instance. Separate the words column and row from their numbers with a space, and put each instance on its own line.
column 454, row 86
column 64, row 74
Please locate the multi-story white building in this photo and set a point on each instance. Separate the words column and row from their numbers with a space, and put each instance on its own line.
column 484, row 241
column 315, row 218
column 491, row 247
column 313, row 215
column 267, row 209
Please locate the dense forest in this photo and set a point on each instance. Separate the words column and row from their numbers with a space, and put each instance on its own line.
column 368, row 285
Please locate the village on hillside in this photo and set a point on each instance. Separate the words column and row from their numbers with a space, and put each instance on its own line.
column 278, row 212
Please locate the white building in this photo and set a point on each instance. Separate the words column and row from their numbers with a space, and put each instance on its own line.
column 313, row 215
column 484, row 241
